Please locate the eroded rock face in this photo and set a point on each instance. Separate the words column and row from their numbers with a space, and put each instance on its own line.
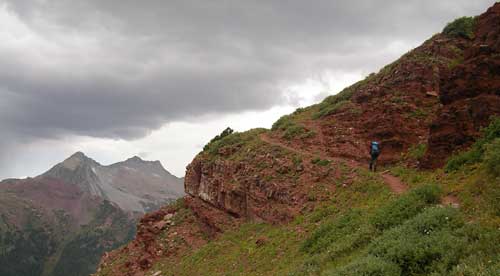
column 240, row 189
column 470, row 93
column 210, row 181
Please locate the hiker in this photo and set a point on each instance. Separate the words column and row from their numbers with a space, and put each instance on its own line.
column 374, row 153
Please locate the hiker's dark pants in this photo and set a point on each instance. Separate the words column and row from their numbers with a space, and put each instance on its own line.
column 373, row 162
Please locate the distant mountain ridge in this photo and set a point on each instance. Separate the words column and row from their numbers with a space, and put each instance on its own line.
column 62, row 221
column 134, row 185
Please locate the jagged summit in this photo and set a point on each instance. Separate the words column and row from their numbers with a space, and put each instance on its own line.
column 135, row 158
column 134, row 185
column 77, row 159
column 78, row 154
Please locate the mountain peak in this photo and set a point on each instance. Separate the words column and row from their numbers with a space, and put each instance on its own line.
column 75, row 160
column 79, row 155
column 135, row 158
column 136, row 161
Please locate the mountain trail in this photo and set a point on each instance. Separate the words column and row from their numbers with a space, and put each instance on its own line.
column 451, row 200
column 394, row 183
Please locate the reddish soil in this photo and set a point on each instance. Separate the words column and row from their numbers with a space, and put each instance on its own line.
column 159, row 235
column 451, row 200
column 396, row 185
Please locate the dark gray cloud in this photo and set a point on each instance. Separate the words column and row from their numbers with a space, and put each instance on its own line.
column 120, row 69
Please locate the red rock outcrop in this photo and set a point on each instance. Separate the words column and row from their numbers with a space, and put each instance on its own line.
column 268, row 186
column 470, row 92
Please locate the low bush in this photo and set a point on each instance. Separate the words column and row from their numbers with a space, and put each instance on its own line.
column 465, row 158
column 367, row 266
column 455, row 62
column 223, row 134
column 492, row 158
column 326, row 110
column 293, row 131
column 283, row 123
column 417, row 151
column 461, row 27
column 320, row 162
column 431, row 242
column 331, row 232
column 290, row 128
column 226, row 138
column 333, row 103
column 476, row 153
column 405, row 207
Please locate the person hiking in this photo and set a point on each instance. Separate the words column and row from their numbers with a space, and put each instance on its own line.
column 374, row 153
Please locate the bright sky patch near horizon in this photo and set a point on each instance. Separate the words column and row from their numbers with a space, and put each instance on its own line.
column 159, row 79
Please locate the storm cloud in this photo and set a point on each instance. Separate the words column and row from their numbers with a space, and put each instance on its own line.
column 121, row 69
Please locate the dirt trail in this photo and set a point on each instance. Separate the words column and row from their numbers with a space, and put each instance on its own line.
column 394, row 183
column 450, row 200
column 271, row 141
column 321, row 155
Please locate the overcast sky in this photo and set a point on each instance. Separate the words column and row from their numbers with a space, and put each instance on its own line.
column 159, row 78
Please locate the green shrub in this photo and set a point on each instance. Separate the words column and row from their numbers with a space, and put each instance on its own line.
column 293, row 131
column 331, row 232
column 367, row 266
column 231, row 139
column 474, row 266
column 223, row 134
column 311, row 266
column 320, row 162
column 455, row 62
column 405, row 207
column 429, row 242
column 334, row 102
column 299, row 110
column 418, row 113
column 328, row 109
column 455, row 162
column 417, row 151
column 283, row 123
column 492, row 157
column 461, row 27
column 476, row 152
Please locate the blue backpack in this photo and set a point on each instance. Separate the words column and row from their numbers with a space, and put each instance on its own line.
column 375, row 148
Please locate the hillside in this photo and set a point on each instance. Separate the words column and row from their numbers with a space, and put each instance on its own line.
column 61, row 222
column 298, row 199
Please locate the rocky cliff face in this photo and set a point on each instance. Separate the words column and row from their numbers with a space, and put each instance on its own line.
column 61, row 222
column 470, row 92
column 436, row 96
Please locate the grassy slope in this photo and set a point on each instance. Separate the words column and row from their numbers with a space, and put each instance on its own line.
column 363, row 229
column 345, row 230
column 263, row 249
